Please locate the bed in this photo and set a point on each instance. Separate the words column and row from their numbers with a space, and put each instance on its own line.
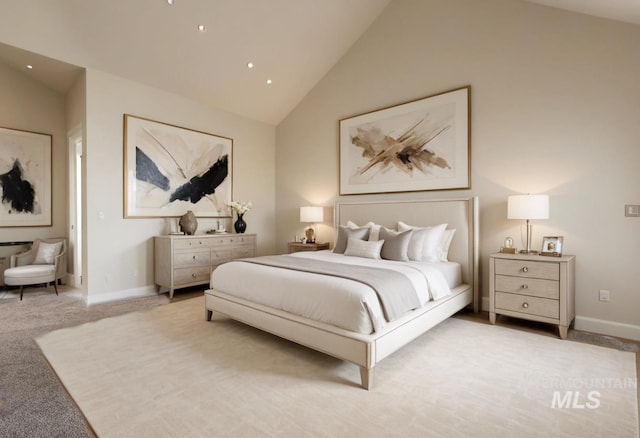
column 235, row 286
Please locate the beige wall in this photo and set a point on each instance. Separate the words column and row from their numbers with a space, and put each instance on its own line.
column 554, row 110
column 120, row 251
column 27, row 105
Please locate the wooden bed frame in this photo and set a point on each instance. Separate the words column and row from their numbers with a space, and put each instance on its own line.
column 367, row 350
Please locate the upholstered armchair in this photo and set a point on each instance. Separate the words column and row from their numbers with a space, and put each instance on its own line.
column 45, row 262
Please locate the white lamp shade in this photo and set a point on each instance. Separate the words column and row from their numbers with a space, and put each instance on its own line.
column 311, row 214
column 528, row 207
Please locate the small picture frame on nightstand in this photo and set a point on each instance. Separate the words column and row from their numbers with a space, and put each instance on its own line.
column 552, row 246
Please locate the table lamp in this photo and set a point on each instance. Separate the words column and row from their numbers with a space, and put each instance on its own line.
column 311, row 215
column 528, row 207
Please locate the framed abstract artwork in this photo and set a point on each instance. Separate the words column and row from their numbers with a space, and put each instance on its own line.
column 169, row 170
column 419, row 145
column 25, row 178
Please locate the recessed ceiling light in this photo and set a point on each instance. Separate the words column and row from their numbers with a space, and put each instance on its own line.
column 250, row 64
column 202, row 28
column 269, row 81
column 170, row 2
column 29, row 66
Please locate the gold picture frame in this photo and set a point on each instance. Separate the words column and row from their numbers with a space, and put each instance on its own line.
column 25, row 178
column 169, row 170
column 414, row 146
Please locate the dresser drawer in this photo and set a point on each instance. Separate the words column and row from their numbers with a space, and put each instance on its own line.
column 243, row 252
column 243, row 240
column 199, row 274
column 182, row 259
column 193, row 243
column 528, row 286
column 528, row 305
column 221, row 255
column 528, row 268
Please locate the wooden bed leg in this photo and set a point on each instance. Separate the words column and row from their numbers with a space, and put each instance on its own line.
column 208, row 314
column 366, row 377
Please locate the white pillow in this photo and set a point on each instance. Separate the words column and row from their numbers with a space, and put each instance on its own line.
column 47, row 253
column 431, row 238
column 364, row 248
column 445, row 242
column 374, row 229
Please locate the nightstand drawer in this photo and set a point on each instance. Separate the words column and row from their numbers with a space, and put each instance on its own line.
column 528, row 268
column 528, row 305
column 528, row 286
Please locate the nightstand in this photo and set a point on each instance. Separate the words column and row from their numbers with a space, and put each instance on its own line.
column 298, row 246
column 533, row 287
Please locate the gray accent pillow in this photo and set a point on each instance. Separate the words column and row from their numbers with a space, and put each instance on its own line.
column 345, row 233
column 396, row 245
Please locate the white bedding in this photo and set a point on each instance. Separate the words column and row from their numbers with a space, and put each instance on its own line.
column 337, row 301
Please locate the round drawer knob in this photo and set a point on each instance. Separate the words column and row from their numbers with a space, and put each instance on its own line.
column 194, row 257
column 525, row 286
column 525, row 305
column 193, row 275
column 525, row 269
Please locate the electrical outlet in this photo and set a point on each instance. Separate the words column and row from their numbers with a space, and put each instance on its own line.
column 604, row 295
column 632, row 210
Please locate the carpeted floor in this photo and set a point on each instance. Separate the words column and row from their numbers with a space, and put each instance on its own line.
column 33, row 403
column 168, row 372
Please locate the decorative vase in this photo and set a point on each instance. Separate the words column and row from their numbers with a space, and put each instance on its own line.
column 189, row 223
column 240, row 225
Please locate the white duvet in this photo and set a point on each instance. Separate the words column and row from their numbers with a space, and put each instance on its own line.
column 341, row 302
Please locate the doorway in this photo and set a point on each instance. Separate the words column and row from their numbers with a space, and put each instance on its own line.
column 75, row 205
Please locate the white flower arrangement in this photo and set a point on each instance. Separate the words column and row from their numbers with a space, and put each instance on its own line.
column 240, row 207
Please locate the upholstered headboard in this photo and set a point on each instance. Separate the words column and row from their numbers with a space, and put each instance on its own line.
column 460, row 214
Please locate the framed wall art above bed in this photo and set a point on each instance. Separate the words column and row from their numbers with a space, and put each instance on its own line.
column 415, row 146
column 25, row 178
column 169, row 170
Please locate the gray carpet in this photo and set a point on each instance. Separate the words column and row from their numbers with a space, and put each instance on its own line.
column 33, row 403
column 603, row 341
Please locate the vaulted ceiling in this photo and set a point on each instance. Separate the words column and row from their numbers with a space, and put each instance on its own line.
column 292, row 43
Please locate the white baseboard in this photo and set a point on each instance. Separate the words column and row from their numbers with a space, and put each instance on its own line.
column 138, row 292
column 593, row 325
column 611, row 328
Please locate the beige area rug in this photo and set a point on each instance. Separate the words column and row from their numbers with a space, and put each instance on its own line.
column 169, row 373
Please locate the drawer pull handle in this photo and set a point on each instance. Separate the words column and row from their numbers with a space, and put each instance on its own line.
column 193, row 275
column 525, row 286
column 525, row 305
column 525, row 269
column 194, row 257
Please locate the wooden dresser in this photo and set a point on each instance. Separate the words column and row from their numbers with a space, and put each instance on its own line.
column 182, row 261
column 533, row 287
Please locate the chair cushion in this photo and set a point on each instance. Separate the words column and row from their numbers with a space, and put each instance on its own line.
column 47, row 253
column 29, row 274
